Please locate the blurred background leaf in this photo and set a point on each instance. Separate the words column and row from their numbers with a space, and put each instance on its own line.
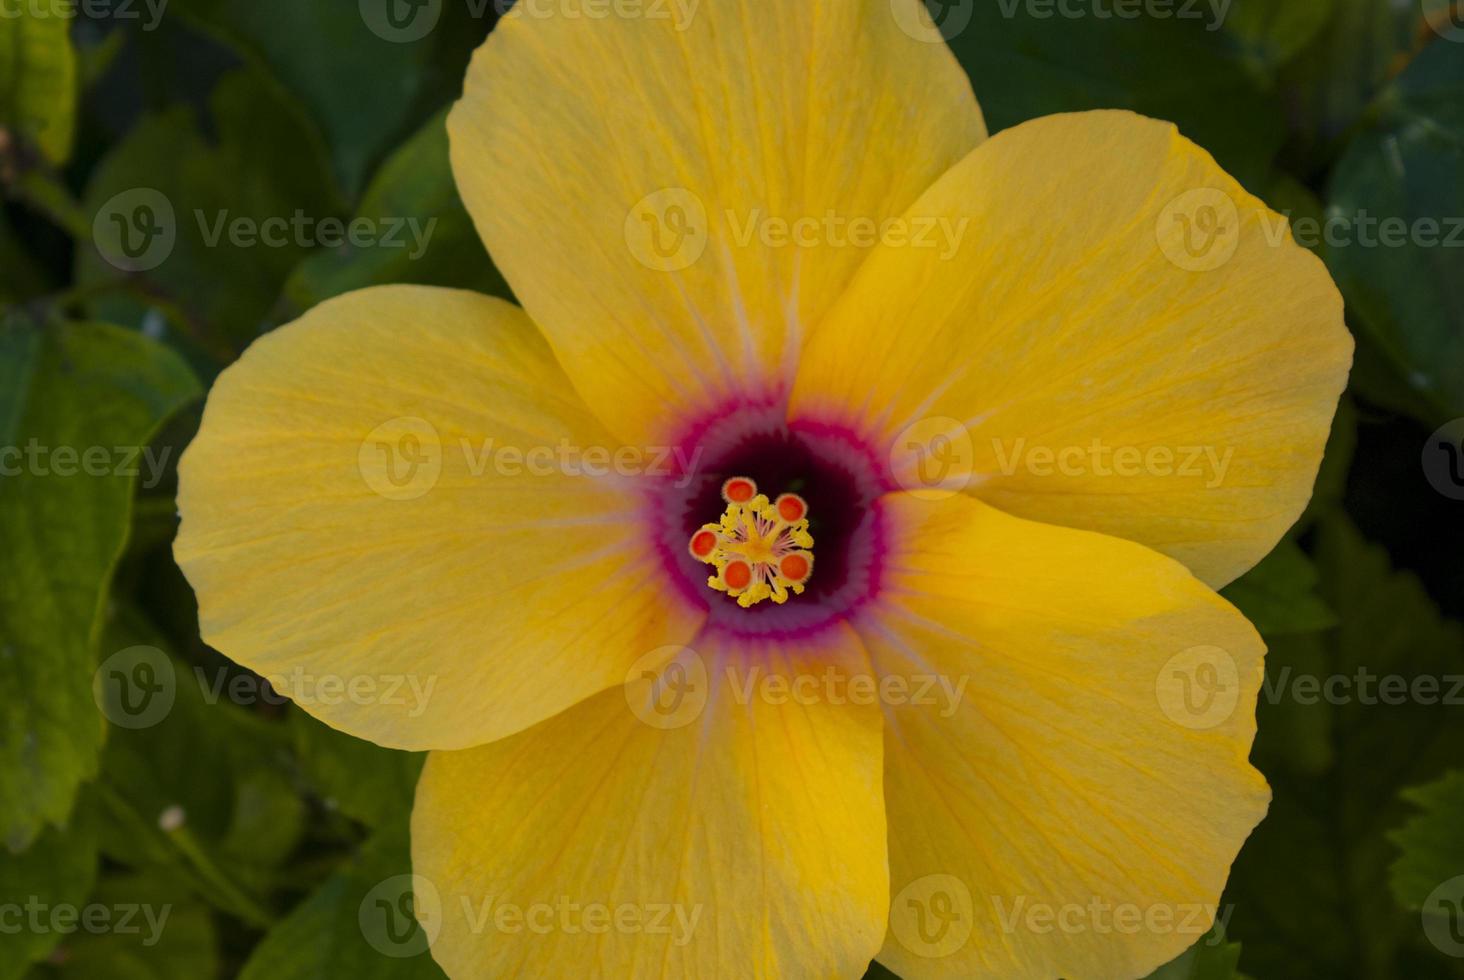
column 1280, row 595
column 1431, row 843
column 151, row 935
column 1336, row 758
column 199, row 795
column 365, row 91
column 1212, row 958
column 264, row 163
column 1407, row 167
column 38, row 84
column 1026, row 64
column 1334, row 77
column 365, row 782
column 86, row 398
column 358, row 924
column 58, row 870
column 1269, row 34
column 416, row 181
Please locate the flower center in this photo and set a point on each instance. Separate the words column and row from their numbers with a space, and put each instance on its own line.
column 829, row 471
column 760, row 548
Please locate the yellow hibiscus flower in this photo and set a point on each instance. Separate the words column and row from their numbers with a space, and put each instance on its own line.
column 1015, row 405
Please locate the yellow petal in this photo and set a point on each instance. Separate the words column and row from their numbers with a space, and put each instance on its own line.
column 732, row 834
column 629, row 174
column 1123, row 341
column 360, row 531
column 1074, row 810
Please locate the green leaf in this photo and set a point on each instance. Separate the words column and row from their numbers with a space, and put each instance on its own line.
column 1361, row 45
column 55, row 874
column 1407, row 292
column 1297, row 729
column 414, row 193
column 364, row 781
column 1180, row 69
column 1311, row 885
column 187, row 215
column 198, row 790
column 21, row 277
column 154, row 931
column 94, row 60
column 1279, row 595
column 1272, row 32
column 1212, row 958
column 38, row 81
column 1287, row 195
column 1431, row 841
column 353, row 925
column 1331, row 485
column 366, row 89
column 78, row 404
